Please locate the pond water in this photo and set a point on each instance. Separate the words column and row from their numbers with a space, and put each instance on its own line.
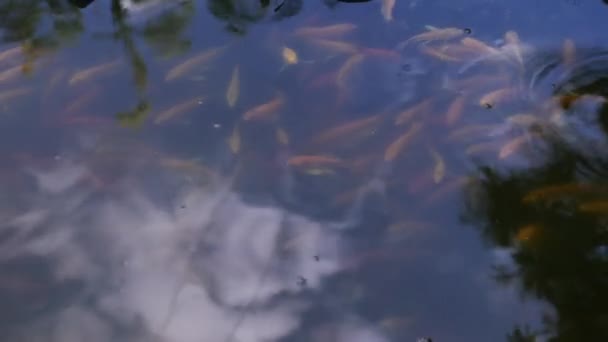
column 289, row 170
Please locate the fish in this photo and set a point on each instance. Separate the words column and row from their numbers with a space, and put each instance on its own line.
column 178, row 109
column 455, row 110
column 482, row 147
column 350, row 128
column 330, row 31
column 386, row 9
column 459, row 51
column 568, row 52
column 434, row 52
column 185, row 165
column 478, row 46
column 472, row 131
column 499, row 96
column 289, row 55
column 10, row 74
column 398, row 145
column 194, row 62
column 83, row 100
column 234, row 140
column 347, row 68
column 7, row 56
column 439, row 168
column 335, row 46
column 319, row 171
column 527, row 233
column 266, row 110
column 436, row 34
column 232, row 92
column 514, row 44
column 313, row 160
column 560, row 190
column 523, row 119
column 423, row 106
column 447, row 188
column 93, row 72
column 13, row 93
column 594, row 207
column 512, row 146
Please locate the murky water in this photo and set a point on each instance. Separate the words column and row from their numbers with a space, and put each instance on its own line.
column 303, row 171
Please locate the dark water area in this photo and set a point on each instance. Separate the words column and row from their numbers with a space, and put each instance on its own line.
column 361, row 171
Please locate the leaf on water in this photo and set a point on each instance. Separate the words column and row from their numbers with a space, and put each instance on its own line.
column 289, row 55
column 234, row 141
column 439, row 168
column 232, row 93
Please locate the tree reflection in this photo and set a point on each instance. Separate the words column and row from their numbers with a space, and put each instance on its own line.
column 554, row 220
column 240, row 13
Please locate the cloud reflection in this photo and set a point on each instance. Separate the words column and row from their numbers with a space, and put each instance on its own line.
column 207, row 267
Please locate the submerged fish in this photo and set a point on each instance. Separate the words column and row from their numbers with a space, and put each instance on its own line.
column 16, row 92
column 266, row 110
column 434, row 35
column 312, row 160
column 364, row 125
column 398, row 145
column 93, row 72
column 420, row 108
column 178, row 109
column 330, row 31
column 10, row 74
column 192, row 63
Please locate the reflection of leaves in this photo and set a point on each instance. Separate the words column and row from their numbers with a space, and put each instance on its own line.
column 521, row 335
column 19, row 19
column 560, row 263
column 164, row 32
column 134, row 117
column 238, row 13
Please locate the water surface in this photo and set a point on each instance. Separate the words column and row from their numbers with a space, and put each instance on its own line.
column 303, row 171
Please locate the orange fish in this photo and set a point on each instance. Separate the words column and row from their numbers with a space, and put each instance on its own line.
column 311, row 160
column 423, row 106
column 567, row 189
column 330, row 31
column 396, row 147
column 347, row 68
column 512, row 146
column 436, row 34
column 433, row 52
column 594, row 207
column 265, row 111
column 471, row 131
column 527, row 233
column 478, row 46
column 364, row 125
column 483, row 147
column 512, row 39
column 497, row 97
column 335, row 46
column 455, row 110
